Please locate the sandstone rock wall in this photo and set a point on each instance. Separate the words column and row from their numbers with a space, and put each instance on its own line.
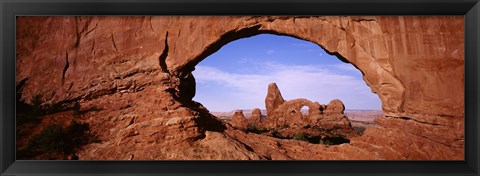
column 414, row 64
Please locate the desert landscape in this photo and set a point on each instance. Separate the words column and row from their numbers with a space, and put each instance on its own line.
column 122, row 88
column 359, row 119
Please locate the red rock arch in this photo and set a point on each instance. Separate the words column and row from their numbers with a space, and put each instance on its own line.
column 414, row 63
column 397, row 55
column 377, row 72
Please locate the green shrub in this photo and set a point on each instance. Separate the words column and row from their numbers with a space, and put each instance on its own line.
column 54, row 138
column 276, row 134
column 51, row 139
column 301, row 136
column 334, row 139
column 253, row 129
column 77, row 134
column 325, row 142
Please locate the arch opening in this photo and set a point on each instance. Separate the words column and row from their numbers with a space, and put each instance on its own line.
column 236, row 77
column 377, row 74
column 305, row 110
column 219, row 67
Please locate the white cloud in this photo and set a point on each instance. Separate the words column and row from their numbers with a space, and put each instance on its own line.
column 270, row 52
column 316, row 83
column 345, row 67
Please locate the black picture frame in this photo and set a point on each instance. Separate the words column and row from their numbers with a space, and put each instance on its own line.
column 10, row 9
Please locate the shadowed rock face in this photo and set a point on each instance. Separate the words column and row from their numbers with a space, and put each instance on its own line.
column 137, row 71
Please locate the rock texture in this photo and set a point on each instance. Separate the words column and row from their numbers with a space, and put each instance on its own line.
column 137, row 71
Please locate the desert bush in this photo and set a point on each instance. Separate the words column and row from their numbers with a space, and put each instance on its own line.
column 57, row 139
column 251, row 128
column 301, row 136
column 334, row 139
column 276, row 134
column 29, row 113
column 325, row 142
column 52, row 138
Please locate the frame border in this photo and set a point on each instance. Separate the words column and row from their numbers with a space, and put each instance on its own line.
column 10, row 9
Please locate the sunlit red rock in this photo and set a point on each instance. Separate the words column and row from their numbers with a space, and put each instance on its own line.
column 256, row 118
column 239, row 120
column 274, row 98
column 334, row 107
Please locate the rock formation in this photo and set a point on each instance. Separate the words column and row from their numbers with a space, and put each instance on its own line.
column 239, row 120
column 137, row 71
column 289, row 113
column 256, row 118
column 274, row 98
column 335, row 107
column 334, row 116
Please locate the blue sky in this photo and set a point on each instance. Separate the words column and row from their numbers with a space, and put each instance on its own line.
column 237, row 76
